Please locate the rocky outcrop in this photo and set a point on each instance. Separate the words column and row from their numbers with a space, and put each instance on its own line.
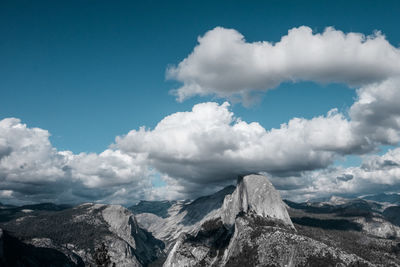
column 254, row 194
column 256, row 241
column 254, row 229
column 183, row 216
column 246, row 225
column 253, row 208
column 378, row 227
column 94, row 234
column 123, row 224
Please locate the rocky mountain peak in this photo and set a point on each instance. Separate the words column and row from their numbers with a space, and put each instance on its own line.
column 254, row 194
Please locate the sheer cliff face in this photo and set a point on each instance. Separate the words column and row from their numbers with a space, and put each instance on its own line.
column 218, row 240
column 253, row 228
column 181, row 216
column 246, row 225
column 254, row 194
column 122, row 223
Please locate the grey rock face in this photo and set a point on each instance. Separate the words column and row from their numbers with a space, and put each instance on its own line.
column 253, row 194
column 256, row 194
column 93, row 234
column 134, row 247
column 253, row 228
column 183, row 216
column 256, row 241
column 246, row 225
column 218, row 240
column 372, row 218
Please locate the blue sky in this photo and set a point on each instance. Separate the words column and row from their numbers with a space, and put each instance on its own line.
column 90, row 70
column 91, row 73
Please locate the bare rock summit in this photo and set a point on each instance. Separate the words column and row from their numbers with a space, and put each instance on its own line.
column 254, row 194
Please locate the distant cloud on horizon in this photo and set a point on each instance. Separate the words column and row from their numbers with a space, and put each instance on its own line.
column 198, row 151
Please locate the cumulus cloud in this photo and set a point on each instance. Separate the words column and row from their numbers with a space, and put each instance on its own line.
column 224, row 64
column 376, row 174
column 376, row 113
column 201, row 150
column 32, row 170
column 5, row 149
column 198, row 151
column 209, row 146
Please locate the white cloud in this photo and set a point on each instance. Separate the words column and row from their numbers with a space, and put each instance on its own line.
column 197, row 151
column 376, row 174
column 205, row 148
column 224, row 64
column 6, row 193
column 33, row 170
column 376, row 113
column 209, row 146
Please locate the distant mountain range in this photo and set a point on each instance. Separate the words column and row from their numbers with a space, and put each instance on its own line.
column 393, row 198
column 246, row 225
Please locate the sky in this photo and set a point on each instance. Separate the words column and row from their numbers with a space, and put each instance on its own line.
column 116, row 102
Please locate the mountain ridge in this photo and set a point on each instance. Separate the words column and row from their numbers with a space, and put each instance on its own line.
column 244, row 224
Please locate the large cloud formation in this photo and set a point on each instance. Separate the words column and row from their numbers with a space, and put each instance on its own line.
column 32, row 170
column 224, row 64
column 208, row 145
column 376, row 174
column 197, row 151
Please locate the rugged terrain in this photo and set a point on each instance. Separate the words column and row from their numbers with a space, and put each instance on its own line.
column 244, row 225
column 180, row 216
column 89, row 234
column 253, row 228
